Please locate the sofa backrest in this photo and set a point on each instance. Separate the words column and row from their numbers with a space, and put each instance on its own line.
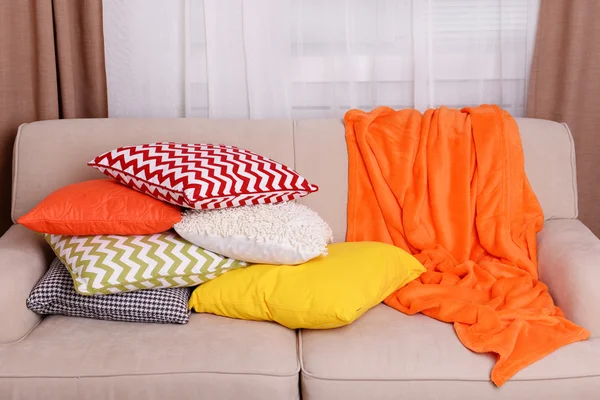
column 51, row 154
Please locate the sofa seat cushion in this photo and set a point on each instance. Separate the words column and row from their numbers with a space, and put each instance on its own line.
column 390, row 355
column 211, row 357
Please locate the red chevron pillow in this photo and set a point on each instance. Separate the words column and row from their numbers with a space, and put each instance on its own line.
column 202, row 176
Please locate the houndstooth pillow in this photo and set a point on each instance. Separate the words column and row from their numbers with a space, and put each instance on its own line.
column 55, row 294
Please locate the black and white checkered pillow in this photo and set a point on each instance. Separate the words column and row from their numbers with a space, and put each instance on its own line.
column 55, row 294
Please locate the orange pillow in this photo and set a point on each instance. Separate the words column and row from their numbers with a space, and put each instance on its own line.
column 100, row 207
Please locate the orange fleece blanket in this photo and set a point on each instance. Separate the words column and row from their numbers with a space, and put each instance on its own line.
column 449, row 186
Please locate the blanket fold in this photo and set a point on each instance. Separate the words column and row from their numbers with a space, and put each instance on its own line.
column 449, row 186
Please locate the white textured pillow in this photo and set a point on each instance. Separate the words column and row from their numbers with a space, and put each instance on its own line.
column 283, row 233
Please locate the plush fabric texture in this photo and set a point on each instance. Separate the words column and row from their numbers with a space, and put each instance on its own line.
column 100, row 207
column 54, row 294
column 107, row 264
column 458, row 198
column 202, row 176
column 284, row 233
column 325, row 292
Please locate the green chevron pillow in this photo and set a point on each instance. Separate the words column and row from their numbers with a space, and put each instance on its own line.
column 106, row 264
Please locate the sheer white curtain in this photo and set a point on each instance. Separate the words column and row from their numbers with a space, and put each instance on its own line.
column 314, row 58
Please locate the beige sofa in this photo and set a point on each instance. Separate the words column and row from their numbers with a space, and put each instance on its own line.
column 383, row 355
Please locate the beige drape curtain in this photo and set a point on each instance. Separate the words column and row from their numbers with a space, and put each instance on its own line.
column 565, row 87
column 51, row 66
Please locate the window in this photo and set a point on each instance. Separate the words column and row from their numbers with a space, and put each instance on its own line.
column 313, row 59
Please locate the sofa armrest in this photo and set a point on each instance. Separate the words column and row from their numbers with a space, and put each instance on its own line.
column 569, row 263
column 24, row 258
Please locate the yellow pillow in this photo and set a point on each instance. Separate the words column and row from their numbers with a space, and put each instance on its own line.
column 325, row 292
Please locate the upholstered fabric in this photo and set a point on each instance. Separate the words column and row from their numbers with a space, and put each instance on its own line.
column 550, row 166
column 215, row 357
column 569, row 263
column 209, row 358
column 386, row 354
column 316, row 149
column 24, row 258
column 322, row 157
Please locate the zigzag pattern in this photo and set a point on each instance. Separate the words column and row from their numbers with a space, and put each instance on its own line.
column 202, row 176
column 108, row 264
